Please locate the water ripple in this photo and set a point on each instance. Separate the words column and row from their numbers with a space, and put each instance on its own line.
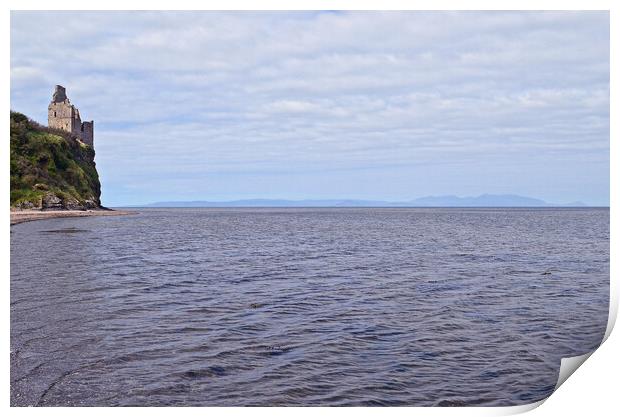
column 337, row 307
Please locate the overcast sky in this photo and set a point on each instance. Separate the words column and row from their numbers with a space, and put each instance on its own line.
column 389, row 106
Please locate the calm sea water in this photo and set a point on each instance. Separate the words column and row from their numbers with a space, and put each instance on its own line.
column 240, row 307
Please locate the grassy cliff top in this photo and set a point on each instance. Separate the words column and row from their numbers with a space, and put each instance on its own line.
column 50, row 168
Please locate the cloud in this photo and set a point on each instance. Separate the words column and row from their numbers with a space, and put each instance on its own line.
column 209, row 95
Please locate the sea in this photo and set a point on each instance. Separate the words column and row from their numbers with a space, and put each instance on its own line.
column 305, row 307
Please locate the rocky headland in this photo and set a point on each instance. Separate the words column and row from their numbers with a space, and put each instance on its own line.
column 53, row 173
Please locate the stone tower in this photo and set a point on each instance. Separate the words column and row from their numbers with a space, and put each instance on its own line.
column 61, row 114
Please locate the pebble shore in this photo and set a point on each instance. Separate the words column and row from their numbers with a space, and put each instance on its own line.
column 20, row 216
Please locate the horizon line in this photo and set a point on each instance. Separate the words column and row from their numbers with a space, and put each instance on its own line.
column 446, row 200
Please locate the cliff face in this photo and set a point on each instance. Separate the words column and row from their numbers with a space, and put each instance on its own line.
column 50, row 169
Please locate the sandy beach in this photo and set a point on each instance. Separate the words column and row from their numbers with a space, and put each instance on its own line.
column 20, row 216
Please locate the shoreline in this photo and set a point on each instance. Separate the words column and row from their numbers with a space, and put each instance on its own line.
column 22, row 216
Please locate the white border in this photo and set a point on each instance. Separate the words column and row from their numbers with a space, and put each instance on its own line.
column 591, row 391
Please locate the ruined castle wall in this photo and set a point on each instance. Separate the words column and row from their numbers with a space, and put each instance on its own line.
column 60, row 116
column 76, row 125
column 87, row 134
column 64, row 116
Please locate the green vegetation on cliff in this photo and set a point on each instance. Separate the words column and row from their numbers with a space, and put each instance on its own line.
column 50, row 168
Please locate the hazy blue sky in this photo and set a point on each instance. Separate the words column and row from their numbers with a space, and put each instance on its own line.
column 391, row 106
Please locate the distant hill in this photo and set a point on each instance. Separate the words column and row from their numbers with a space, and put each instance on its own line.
column 484, row 200
column 50, row 169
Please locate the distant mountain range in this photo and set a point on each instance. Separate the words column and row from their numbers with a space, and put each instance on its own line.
column 484, row 200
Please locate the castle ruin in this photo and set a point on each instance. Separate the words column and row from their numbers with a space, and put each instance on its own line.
column 63, row 115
